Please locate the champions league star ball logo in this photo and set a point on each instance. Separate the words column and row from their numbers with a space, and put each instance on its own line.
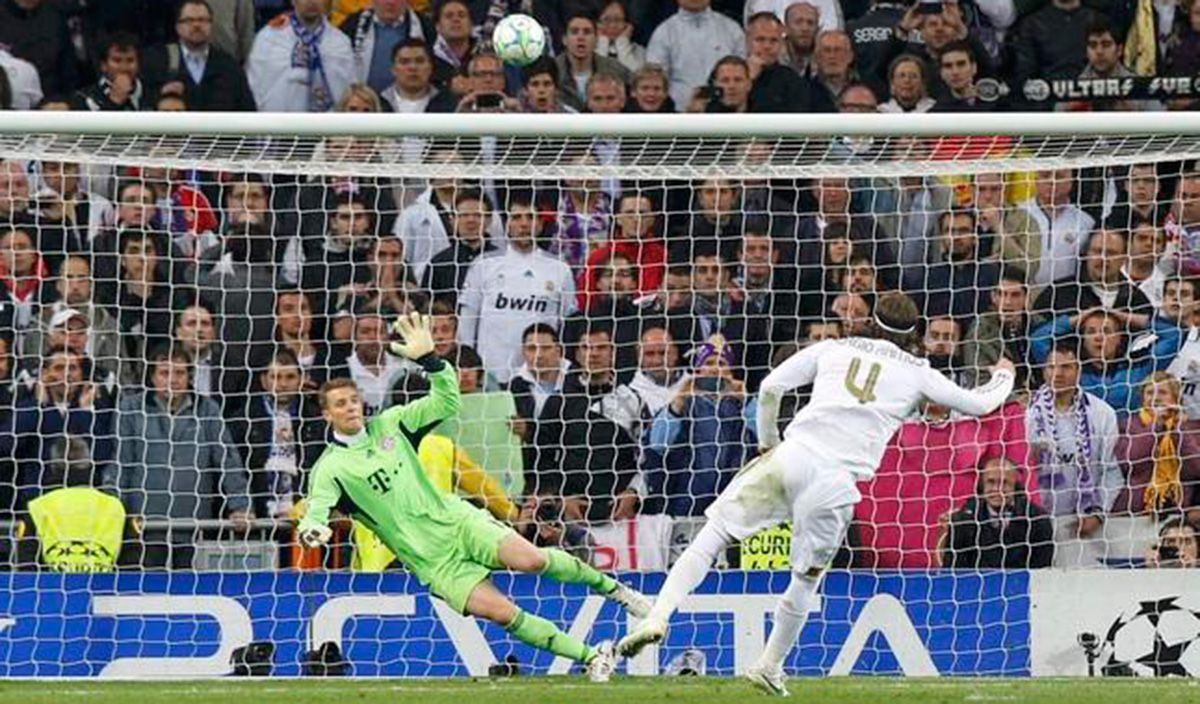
column 1156, row 638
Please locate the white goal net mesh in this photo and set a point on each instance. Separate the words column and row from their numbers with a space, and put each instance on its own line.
column 170, row 305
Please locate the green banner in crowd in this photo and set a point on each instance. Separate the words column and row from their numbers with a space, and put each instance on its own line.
column 482, row 430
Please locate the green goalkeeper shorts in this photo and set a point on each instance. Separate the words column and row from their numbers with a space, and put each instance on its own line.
column 470, row 558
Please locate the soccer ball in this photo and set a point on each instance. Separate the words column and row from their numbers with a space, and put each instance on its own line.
column 1157, row 638
column 519, row 39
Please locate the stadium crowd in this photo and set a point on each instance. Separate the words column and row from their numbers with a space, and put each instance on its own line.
column 164, row 331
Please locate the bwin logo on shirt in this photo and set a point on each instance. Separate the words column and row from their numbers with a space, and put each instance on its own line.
column 529, row 303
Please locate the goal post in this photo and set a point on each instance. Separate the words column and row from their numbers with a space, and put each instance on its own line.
column 178, row 285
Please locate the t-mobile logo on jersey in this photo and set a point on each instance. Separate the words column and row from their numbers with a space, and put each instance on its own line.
column 529, row 303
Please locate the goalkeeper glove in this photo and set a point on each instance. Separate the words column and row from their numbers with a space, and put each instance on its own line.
column 416, row 334
column 315, row 536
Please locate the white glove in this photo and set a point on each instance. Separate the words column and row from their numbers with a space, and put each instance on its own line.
column 315, row 537
column 417, row 336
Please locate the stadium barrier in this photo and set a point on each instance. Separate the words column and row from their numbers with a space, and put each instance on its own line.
column 1013, row 623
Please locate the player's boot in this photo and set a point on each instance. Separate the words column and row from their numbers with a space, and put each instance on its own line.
column 647, row 632
column 634, row 602
column 770, row 682
column 603, row 662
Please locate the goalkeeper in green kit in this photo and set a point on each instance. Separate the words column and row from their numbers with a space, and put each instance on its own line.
column 371, row 473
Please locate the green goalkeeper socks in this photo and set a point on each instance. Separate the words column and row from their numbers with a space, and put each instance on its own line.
column 540, row 633
column 568, row 569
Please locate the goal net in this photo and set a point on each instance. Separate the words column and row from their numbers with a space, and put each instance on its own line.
column 612, row 292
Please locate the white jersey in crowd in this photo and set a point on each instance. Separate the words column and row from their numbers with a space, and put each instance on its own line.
column 506, row 292
column 1186, row 368
column 863, row 389
column 278, row 84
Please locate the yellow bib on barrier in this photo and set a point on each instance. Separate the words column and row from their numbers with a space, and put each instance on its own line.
column 768, row 550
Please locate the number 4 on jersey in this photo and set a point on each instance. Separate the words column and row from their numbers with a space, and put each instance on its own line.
column 866, row 392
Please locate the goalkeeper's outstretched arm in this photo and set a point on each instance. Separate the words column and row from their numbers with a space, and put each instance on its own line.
column 444, row 399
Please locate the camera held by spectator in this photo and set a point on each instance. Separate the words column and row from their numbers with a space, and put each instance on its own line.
column 1178, row 547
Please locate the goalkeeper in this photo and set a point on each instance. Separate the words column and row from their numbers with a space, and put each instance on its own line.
column 371, row 472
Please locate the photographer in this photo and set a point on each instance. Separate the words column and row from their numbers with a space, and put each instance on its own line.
column 1177, row 547
column 697, row 443
column 541, row 523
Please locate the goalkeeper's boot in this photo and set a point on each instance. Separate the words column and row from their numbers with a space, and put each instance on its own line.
column 634, row 602
column 603, row 662
column 647, row 632
column 768, row 681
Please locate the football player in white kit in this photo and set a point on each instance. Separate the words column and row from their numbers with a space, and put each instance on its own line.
column 863, row 389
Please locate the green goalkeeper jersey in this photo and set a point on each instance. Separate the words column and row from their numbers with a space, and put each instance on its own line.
column 379, row 481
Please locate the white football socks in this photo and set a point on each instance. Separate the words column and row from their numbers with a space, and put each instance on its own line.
column 689, row 570
column 790, row 615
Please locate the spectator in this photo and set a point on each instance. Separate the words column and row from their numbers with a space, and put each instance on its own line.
column 834, row 61
column 1072, row 436
column 23, row 273
column 280, row 433
column 233, row 27
column 494, row 307
column 1182, row 45
column 71, row 218
column 36, row 31
column 390, row 291
column 485, row 79
column 205, row 75
column 998, row 528
column 650, row 91
column 713, row 215
column 215, row 373
column 766, row 291
column 1112, row 365
column 586, row 453
column 615, row 37
column 373, row 34
column 447, row 272
column 1179, row 307
column 632, row 237
column 136, row 209
column 658, row 375
column 454, row 45
column 542, row 374
column 940, row 343
column 1057, row 233
column 1104, row 61
column 120, row 87
column 958, row 278
column 1150, row 262
column 579, row 61
column 72, row 305
column 1159, row 455
column 1001, row 331
column 853, row 312
column 699, row 441
column 413, row 89
column 830, row 11
column 343, row 256
column 605, row 94
column 908, row 86
column 372, row 368
column 689, row 43
column 930, row 34
column 541, row 88
column 15, row 192
column 874, row 36
column 65, row 404
column 583, row 220
column 24, row 85
column 542, row 522
column 1177, row 548
column 775, row 87
column 444, row 326
column 1101, row 282
column 837, row 217
column 1138, row 199
column 802, row 21
column 1052, row 41
column 1186, row 212
column 293, row 331
column 300, row 62
column 145, row 295
column 958, row 72
column 177, row 461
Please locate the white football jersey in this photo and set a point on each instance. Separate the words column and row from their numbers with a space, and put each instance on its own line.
column 506, row 292
column 1186, row 368
column 863, row 389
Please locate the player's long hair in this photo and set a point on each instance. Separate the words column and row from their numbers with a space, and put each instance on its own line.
column 895, row 320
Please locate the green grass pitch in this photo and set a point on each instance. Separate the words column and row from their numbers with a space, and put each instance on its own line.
column 564, row 690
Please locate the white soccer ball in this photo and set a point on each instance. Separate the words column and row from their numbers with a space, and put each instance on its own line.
column 519, row 39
